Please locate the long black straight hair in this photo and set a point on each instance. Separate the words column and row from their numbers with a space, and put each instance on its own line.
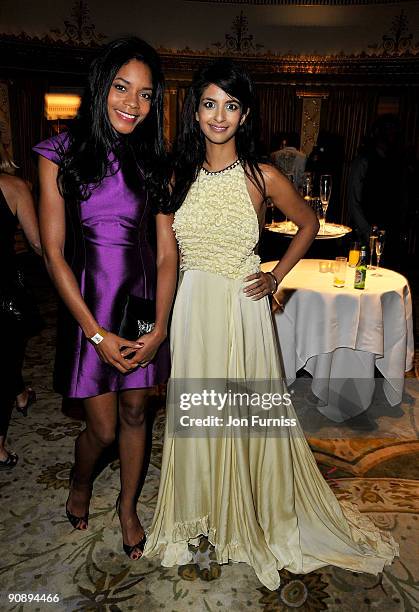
column 85, row 161
column 189, row 151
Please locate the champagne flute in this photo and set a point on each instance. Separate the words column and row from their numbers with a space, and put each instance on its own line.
column 373, row 237
column 307, row 185
column 325, row 193
column 379, row 248
column 372, row 249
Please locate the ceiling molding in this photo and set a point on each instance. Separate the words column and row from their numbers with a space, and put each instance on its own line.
column 364, row 69
column 23, row 54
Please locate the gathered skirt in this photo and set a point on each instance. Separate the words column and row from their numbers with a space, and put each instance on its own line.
column 259, row 497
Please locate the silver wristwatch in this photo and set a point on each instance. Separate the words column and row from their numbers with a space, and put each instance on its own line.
column 97, row 338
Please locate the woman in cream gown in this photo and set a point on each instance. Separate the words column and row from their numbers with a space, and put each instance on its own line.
column 258, row 497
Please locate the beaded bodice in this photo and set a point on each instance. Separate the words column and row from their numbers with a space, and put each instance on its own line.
column 217, row 227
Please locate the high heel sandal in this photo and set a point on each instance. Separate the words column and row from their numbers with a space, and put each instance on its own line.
column 127, row 548
column 31, row 400
column 75, row 521
column 10, row 462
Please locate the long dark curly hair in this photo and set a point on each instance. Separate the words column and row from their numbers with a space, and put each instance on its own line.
column 85, row 162
column 189, row 148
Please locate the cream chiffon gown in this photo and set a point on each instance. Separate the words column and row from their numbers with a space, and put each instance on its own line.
column 259, row 499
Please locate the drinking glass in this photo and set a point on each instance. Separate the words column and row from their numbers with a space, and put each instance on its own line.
column 339, row 272
column 379, row 248
column 373, row 239
column 324, row 266
column 354, row 253
column 316, row 206
column 325, row 193
column 307, row 185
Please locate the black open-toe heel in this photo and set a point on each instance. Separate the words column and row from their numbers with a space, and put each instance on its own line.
column 127, row 548
column 75, row 520
column 31, row 400
column 10, row 462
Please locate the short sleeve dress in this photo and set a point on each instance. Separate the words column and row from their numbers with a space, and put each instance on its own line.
column 109, row 248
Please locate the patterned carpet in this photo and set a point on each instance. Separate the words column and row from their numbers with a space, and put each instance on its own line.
column 88, row 571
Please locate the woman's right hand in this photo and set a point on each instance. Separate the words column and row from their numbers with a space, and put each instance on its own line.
column 109, row 351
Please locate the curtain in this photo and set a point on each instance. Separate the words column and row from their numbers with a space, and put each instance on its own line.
column 280, row 111
column 346, row 115
column 409, row 119
column 28, row 123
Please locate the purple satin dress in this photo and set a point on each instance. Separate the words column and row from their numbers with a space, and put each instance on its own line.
column 109, row 251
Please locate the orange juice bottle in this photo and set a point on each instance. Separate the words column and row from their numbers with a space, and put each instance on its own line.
column 354, row 254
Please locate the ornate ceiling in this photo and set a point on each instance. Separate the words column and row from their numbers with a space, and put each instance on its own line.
column 393, row 57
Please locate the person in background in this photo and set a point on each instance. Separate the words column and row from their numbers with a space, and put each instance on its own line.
column 16, row 206
column 288, row 158
column 326, row 157
column 375, row 181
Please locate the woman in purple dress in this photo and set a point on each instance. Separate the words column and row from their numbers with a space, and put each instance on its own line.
column 101, row 182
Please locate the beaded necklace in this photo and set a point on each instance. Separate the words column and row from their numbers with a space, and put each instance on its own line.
column 230, row 167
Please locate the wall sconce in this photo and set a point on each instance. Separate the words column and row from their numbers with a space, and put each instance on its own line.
column 61, row 106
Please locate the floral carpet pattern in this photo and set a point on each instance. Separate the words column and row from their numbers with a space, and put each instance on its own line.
column 88, row 571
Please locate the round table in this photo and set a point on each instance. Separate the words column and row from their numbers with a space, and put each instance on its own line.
column 340, row 335
column 289, row 229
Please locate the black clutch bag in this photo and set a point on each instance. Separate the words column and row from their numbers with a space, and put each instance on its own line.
column 139, row 317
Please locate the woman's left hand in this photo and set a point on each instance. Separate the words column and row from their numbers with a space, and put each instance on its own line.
column 150, row 344
column 264, row 285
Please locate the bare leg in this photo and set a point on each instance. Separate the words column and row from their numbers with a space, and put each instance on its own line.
column 25, row 399
column 3, row 452
column 132, row 441
column 101, row 417
column 22, row 398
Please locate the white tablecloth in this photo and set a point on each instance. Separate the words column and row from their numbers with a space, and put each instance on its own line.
column 339, row 335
